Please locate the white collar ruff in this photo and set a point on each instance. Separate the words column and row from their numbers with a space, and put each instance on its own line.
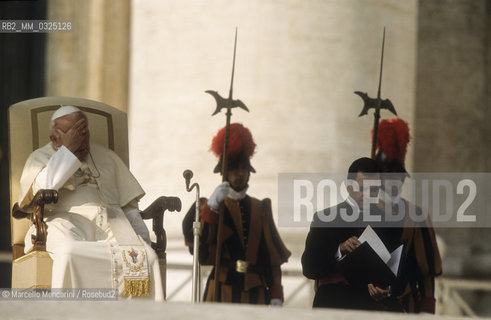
column 237, row 195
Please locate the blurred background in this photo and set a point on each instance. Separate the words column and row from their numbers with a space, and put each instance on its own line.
column 298, row 64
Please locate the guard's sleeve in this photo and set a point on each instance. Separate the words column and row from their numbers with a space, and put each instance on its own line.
column 276, row 250
column 428, row 302
column 276, row 290
column 429, row 262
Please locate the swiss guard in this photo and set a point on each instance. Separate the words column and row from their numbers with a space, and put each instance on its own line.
column 250, row 250
column 422, row 262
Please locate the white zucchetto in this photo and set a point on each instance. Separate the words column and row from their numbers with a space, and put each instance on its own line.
column 63, row 111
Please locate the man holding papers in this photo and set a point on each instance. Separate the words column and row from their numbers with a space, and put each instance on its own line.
column 359, row 267
column 329, row 243
column 389, row 267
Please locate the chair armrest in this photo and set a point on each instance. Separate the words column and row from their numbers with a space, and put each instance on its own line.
column 41, row 198
column 156, row 212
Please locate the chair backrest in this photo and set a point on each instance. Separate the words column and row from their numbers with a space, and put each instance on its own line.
column 29, row 130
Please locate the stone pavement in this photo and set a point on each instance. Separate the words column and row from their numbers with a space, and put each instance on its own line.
column 142, row 310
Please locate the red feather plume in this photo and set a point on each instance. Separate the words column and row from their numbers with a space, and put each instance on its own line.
column 240, row 141
column 393, row 138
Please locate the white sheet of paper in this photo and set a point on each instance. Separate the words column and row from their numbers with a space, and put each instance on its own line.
column 374, row 241
column 395, row 260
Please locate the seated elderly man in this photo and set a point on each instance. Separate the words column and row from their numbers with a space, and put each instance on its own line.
column 96, row 236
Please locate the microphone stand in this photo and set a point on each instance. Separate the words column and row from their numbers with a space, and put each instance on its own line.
column 196, row 294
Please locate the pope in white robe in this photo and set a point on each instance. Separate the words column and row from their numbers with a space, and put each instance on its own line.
column 96, row 236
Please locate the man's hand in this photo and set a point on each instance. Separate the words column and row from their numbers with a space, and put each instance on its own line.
column 220, row 194
column 349, row 245
column 378, row 294
column 74, row 137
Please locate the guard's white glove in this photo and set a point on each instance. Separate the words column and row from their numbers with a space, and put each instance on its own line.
column 276, row 302
column 220, row 194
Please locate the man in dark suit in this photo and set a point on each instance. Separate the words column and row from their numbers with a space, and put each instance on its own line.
column 327, row 243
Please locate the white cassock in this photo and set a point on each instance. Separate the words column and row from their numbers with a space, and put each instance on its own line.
column 91, row 229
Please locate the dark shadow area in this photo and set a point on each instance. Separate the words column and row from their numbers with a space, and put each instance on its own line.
column 22, row 69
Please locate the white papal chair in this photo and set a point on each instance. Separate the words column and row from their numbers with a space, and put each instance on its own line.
column 29, row 130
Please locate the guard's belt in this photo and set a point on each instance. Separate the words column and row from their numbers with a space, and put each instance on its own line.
column 242, row 266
